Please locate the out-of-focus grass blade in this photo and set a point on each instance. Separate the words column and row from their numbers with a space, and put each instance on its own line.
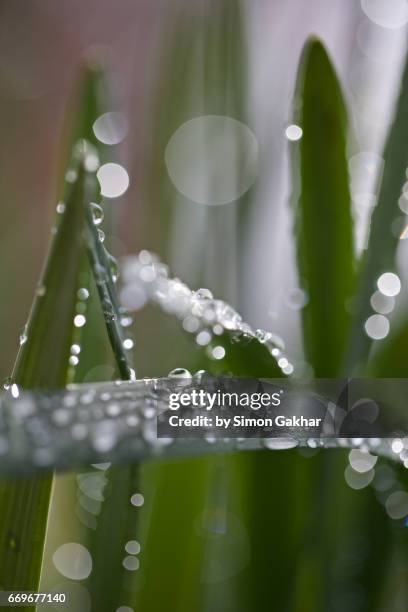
column 390, row 361
column 386, row 225
column 322, row 211
column 42, row 363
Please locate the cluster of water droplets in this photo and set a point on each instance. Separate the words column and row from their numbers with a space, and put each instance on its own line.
column 146, row 279
column 382, row 301
column 114, row 422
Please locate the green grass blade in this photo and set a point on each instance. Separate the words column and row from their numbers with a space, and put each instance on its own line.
column 42, row 363
column 323, row 212
column 101, row 263
column 390, row 361
column 386, row 225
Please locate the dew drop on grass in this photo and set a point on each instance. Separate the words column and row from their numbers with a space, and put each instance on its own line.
column 389, row 284
column 280, row 443
column 110, row 128
column 377, row 327
column 73, row 561
column 71, row 176
column 101, row 235
column 113, row 179
column 137, row 500
column 41, row 290
column 15, row 391
column 97, row 213
column 128, row 344
column 23, row 335
column 203, row 338
column 126, row 319
column 83, row 293
column 181, row 373
column 113, row 267
column 218, row 352
column 60, row 208
column 131, row 563
column 75, row 349
column 203, row 294
column 79, row 320
column 132, row 547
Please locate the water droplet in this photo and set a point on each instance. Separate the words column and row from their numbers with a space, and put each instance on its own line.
column 392, row 14
column 297, row 299
column 73, row 561
column 70, row 176
column 41, row 290
column 358, row 480
column 79, row 320
column 15, row 391
column 132, row 547
column 110, row 128
column 361, row 461
column 113, row 179
column 280, row 443
column 128, row 344
column 97, row 213
column 60, row 208
column 181, row 373
column 23, row 335
column 381, row 303
column 83, row 294
column 293, row 132
column 397, row 505
column 218, row 352
column 377, row 327
column 103, row 436
column 203, row 338
column 73, row 360
column 137, row 500
column 200, row 147
column 191, row 324
column 203, row 294
column 75, row 349
column 397, row 446
column 126, row 319
column 389, row 284
column 131, row 563
column 113, row 267
column 101, row 235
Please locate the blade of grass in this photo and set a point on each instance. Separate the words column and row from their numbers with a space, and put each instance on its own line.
column 42, row 363
column 385, row 229
column 327, row 269
column 390, row 361
column 323, row 212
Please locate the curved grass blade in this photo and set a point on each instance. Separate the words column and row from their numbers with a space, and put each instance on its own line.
column 323, row 212
column 42, row 363
column 386, row 226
